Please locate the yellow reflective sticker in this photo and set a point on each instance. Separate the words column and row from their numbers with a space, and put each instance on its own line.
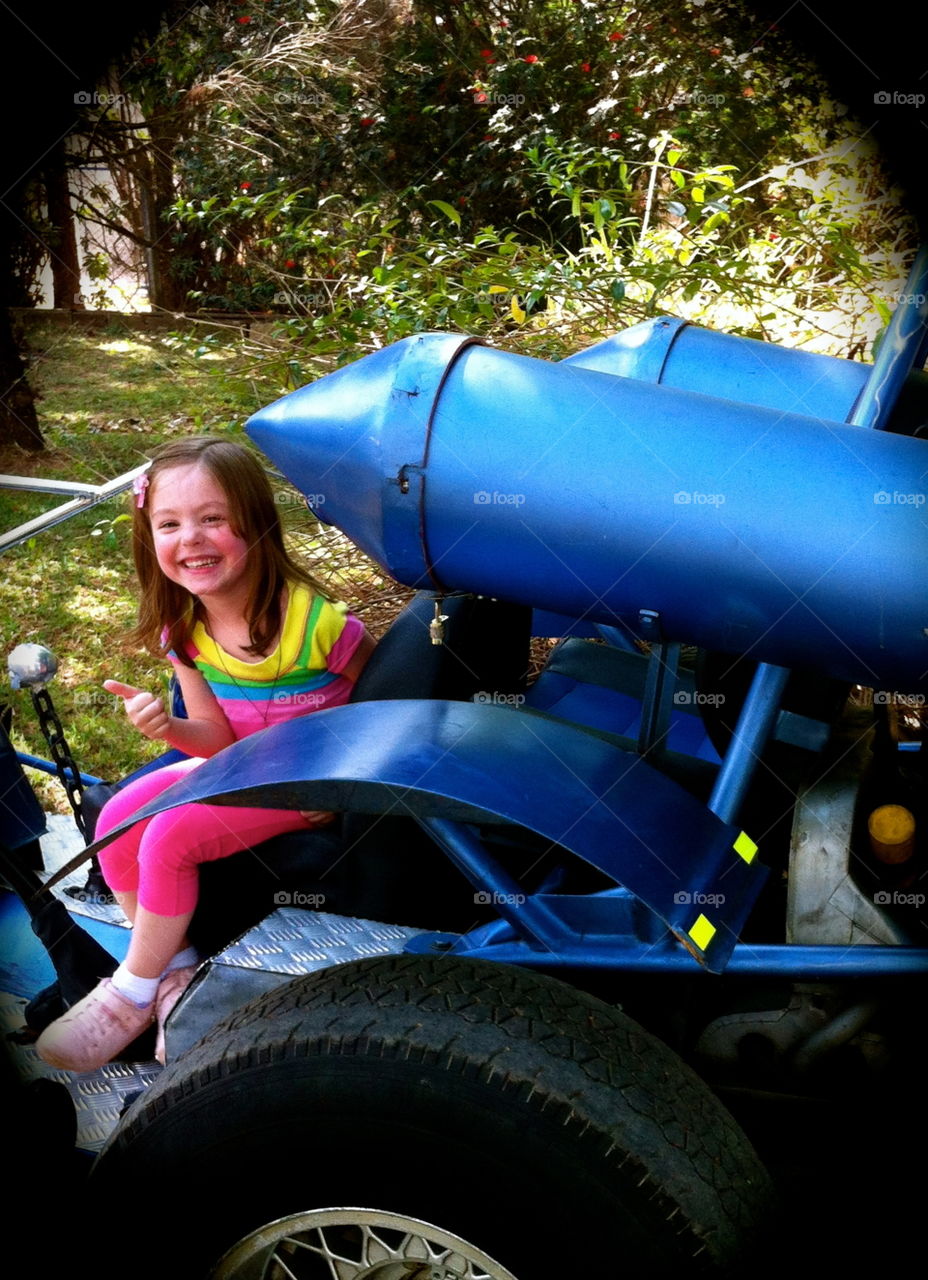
column 746, row 847
column 702, row 932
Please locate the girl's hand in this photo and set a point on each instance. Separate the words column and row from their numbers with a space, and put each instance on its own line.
column 317, row 817
column 145, row 711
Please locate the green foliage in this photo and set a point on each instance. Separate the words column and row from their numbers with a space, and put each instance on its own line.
column 648, row 139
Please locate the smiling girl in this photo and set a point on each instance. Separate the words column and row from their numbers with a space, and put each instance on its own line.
column 253, row 640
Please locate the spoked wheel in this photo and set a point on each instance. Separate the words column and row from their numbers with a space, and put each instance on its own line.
column 355, row 1243
column 490, row 1123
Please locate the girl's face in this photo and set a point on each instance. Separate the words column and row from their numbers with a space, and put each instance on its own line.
column 195, row 544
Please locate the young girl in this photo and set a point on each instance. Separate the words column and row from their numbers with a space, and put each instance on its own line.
column 253, row 641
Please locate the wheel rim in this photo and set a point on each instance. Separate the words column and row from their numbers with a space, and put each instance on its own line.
column 355, row 1244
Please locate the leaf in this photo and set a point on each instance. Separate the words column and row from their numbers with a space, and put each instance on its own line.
column 448, row 210
column 516, row 311
column 673, row 156
column 882, row 309
column 618, row 290
column 698, row 194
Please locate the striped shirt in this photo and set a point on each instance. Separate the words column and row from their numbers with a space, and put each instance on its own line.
column 303, row 673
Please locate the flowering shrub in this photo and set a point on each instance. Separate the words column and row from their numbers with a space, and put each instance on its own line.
column 585, row 163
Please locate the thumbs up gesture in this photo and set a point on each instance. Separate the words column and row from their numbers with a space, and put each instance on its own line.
column 146, row 712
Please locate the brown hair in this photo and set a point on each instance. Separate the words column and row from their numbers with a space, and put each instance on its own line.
column 169, row 610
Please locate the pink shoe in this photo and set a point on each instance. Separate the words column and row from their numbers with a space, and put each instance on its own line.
column 94, row 1030
column 173, row 985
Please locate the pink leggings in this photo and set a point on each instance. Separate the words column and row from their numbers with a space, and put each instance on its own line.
column 159, row 858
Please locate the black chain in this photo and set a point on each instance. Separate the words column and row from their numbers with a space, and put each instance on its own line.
column 67, row 770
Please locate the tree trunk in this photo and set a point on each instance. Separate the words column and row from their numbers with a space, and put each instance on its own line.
column 65, row 264
column 165, row 291
column 18, row 421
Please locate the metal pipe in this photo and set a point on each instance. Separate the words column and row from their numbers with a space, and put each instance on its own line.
column 747, row 960
column 755, row 724
column 899, row 349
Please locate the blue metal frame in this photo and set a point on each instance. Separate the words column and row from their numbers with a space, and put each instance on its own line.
column 685, row 881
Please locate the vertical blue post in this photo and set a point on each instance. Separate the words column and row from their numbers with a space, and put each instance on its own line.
column 754, row 727
column 901, row 348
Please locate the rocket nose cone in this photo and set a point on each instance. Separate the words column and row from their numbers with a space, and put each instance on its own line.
column 343, row 439
column 333, row 426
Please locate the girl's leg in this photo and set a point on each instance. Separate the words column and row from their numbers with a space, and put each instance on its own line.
column 165, row 868
column 119, row 860
column 176, row 842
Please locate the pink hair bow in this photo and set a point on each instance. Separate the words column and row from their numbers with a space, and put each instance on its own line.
column 139, row 488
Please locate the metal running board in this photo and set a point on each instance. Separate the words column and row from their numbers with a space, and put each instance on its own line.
column 99, row 1097
column 285, row 945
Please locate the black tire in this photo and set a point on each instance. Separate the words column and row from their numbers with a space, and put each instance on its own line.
column 537, row 1124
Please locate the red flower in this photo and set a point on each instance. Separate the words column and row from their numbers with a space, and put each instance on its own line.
column 614, row 137
column 244, row 186
column 532, row 57
column 774, row 236
column 584, row 66
column 243, row 20
column 489, row 137
column 617, row 35
column 747, row 92
column 480, row 97
column 289, row 263
column 503, row 22
column 486, row 53
column 365, row 121
column 715, row 51
column 462, row 199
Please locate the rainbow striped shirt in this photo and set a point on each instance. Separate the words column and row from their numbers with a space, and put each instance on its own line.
column 303, row 674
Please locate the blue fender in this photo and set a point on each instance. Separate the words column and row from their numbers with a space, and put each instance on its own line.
column 482, row 763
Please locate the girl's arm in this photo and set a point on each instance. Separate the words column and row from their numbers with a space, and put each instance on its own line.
column 203, row 733
column 365, row 648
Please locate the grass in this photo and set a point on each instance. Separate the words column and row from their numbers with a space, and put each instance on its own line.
column 107, row 401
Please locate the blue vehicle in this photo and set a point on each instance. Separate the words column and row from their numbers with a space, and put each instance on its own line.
column 484, row 1032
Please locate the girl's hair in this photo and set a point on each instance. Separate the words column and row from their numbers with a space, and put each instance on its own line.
column 167, row 611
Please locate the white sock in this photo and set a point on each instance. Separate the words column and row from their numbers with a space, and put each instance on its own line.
column 141, row 991
column 182, row 960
